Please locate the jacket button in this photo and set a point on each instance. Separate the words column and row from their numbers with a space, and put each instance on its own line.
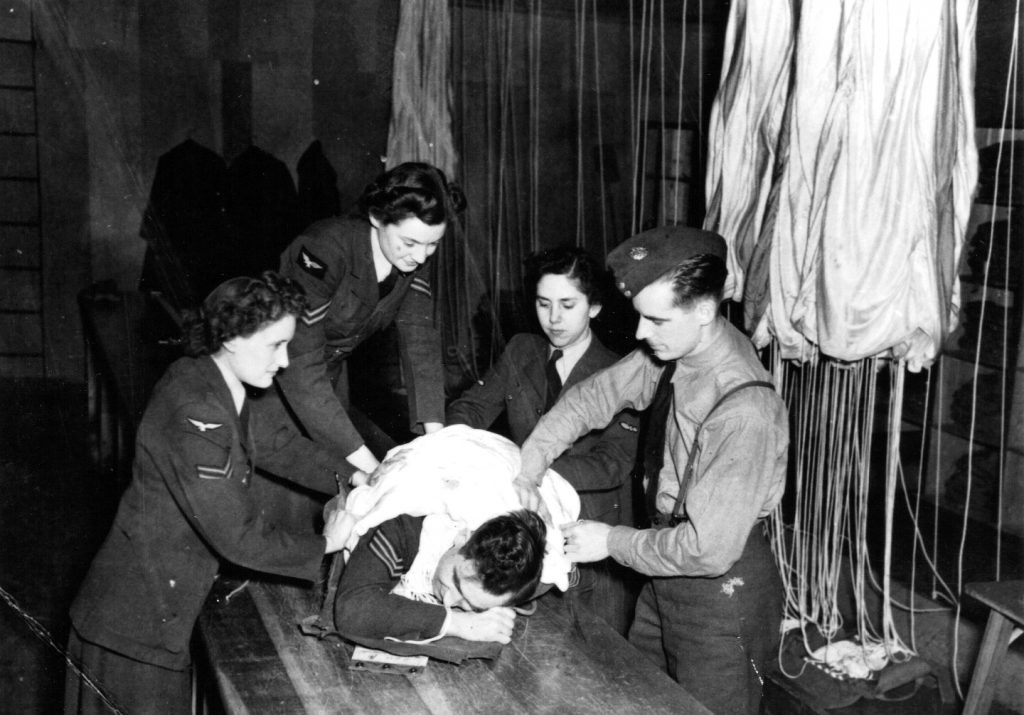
column 539, row 411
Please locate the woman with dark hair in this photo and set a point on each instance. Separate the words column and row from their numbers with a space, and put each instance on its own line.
column 189, row 508
column 361, row 274
column 525, row 382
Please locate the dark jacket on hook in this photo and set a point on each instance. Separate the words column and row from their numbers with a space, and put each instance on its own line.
column 318, row 186
column 264, row 206
column 193, row 244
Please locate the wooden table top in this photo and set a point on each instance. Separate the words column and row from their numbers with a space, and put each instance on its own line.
column 264, row 664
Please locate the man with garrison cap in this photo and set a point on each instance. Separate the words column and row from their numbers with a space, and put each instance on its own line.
column 713, row 462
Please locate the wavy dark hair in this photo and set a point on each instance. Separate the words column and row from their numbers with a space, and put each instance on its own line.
column 571, row 262
column 240, row 306
column 413, row 189
column 700, row 276
column 508, row 552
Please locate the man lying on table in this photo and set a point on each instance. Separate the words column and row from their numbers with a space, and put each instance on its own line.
column 470, row 594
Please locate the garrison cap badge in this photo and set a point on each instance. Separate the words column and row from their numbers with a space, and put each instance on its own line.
column 639, row 261
column 312, row 265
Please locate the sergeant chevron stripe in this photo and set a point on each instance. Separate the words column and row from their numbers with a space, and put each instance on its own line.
column 206, row 472
column 383, row 550
column 312, row 316
column 421, row 285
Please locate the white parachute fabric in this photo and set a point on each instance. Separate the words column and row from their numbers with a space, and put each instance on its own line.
column 459, row 477
column 745, row 125
column 876, row 164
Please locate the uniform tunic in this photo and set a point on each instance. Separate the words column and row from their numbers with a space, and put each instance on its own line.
column 598, row 465
column 187, row 508
column 333, row 260
column 365, row 606
column 739, row 477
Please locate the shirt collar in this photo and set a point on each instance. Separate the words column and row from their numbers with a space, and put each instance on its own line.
column 571, row 356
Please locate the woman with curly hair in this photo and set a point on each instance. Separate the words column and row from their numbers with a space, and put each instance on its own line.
column 189, row 508
column 361, row 274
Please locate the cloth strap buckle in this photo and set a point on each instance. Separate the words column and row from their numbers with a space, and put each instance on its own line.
column 667, row 521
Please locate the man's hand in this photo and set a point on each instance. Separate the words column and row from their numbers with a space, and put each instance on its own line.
column 586, row 541
column 528, row 493
column 494, row 624
column 338, row 525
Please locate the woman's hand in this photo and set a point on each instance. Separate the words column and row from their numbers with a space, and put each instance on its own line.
column 338, row 525
column 358, row 478
column 494, row 624
column 363, row 460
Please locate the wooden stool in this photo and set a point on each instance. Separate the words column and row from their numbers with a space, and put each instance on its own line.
column 1006, row 601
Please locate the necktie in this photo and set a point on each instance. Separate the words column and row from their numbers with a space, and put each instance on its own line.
column 388, row 284
column 651, row 451
column 554, row 380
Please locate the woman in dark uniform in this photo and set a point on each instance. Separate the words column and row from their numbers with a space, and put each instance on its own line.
column 360, row 275
column 189, row 508
column 529, row 375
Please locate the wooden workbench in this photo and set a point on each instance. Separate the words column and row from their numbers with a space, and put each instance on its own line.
column 262, row 663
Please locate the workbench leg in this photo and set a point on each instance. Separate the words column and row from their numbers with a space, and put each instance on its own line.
column 990, row 656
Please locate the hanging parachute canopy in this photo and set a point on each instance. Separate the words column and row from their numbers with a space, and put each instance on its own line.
column 841, row 172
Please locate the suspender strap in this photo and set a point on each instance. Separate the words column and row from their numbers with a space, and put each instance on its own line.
column 679, row 510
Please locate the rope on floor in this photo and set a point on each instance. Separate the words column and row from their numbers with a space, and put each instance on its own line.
column 44, row 635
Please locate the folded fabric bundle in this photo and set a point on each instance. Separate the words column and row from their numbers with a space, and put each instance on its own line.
column 458, row 478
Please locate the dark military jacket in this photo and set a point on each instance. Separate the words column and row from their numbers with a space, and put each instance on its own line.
column 365, row 606
column 187, row 508
column 599, row 465
column 333, row 261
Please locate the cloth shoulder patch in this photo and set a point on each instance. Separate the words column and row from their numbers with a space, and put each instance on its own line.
column 311, row 264
column 204, row 471
column 204, row 426
column 421, row 285
column 312, row 316
column 382, row 548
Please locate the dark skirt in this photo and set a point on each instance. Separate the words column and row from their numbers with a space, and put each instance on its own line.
column 715, row 635
column 129, row 686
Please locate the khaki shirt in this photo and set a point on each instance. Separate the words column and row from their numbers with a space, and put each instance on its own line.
column 740, row 469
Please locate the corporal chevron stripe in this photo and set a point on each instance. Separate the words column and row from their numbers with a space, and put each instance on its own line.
column 312, row 316
column 383, row 550
column 421, row 285
column 225, row 472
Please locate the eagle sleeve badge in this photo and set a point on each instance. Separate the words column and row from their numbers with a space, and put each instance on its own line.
column 311, row 264
column 204, row 426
